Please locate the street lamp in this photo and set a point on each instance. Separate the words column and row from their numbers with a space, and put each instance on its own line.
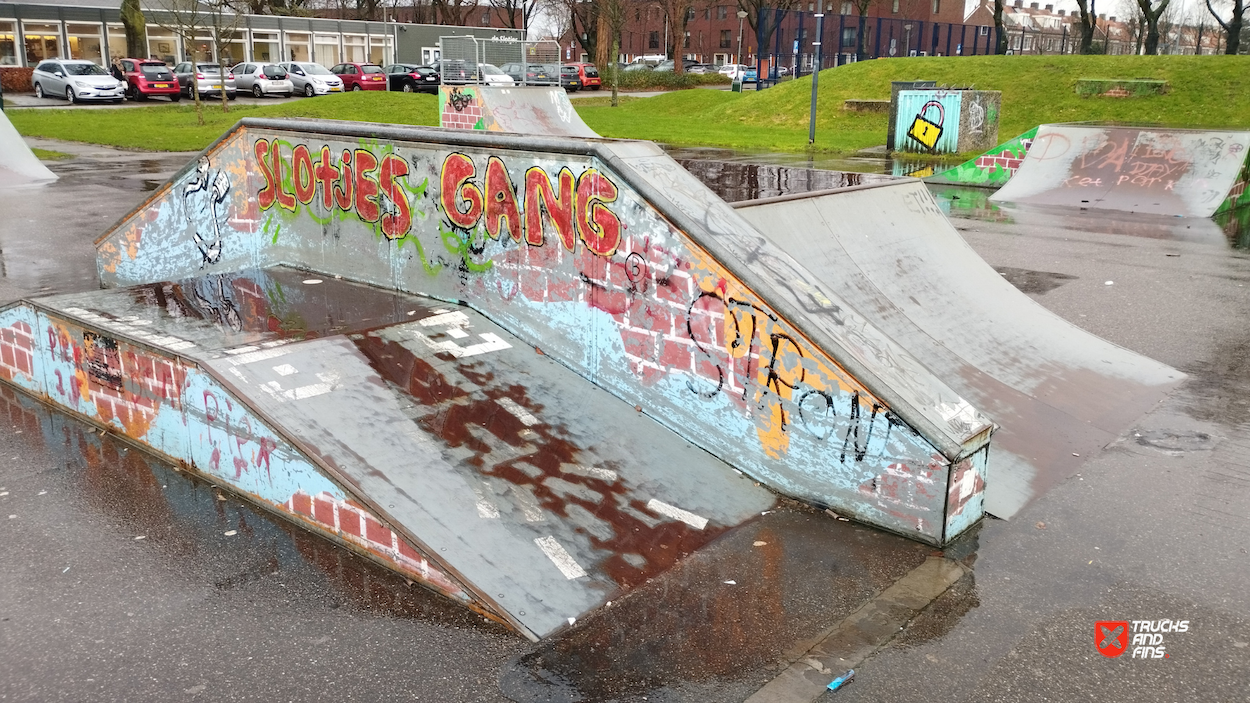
column 738, row 56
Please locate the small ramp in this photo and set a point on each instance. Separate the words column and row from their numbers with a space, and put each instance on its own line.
column 1182, row 173
column 544, row 110
column 989, row 170
column 426, row 435
column 18, row 164
column 1055, row 390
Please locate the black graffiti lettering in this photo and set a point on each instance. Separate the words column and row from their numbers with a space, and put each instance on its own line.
column 720, row 372
column 828, row 410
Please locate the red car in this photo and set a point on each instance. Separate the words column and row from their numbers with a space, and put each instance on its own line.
column 360, row 76
column 146, row 78
column 588, row 73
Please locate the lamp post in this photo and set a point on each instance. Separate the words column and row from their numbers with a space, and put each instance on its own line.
column 820, row 35
column 738, row 56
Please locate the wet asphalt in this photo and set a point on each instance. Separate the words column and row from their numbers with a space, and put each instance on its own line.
column 122, row 584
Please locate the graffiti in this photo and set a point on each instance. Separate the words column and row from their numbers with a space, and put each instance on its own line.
column 215, row 189
column 104, row 365
column 578, row 211
column 926, row 130
column 1123, row 159
column 459, row 100
column 352, row 181
column 976, row 117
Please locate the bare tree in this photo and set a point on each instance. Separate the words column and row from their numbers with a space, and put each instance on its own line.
column 763, row 33
column 453, row 12
column 1000, row 46
column 612, row 14
column 223, row 25
column 1089, row 24
column 183, row 18
column 1135, row 23
column 510, row 9
column 1232, row 28
column 1152, row 11
column 679, row 13
column 584, row 23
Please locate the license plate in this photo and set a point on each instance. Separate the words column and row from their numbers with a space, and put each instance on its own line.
column 160, row 85
column 336, row 89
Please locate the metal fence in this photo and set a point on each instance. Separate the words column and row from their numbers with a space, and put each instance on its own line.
column 787, row 41
column 467, row 60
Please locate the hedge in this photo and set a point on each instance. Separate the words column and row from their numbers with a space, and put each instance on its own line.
column 665, row 80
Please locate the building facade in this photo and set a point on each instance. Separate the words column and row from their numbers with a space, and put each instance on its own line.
column 34, row 30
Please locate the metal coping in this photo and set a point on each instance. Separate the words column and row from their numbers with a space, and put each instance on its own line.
column 899, row 180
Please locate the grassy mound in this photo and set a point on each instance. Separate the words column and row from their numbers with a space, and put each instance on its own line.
column 168, row 127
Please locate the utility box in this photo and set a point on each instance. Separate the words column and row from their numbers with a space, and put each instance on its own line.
column 895, row 88
column 946, row 121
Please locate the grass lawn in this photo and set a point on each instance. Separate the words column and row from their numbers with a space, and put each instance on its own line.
column 49, row 155
column 1206, row 91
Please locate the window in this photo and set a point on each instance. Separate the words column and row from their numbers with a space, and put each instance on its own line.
column 162, row 45
column 379, row 49
column 722, row 11
column 653, row 40
column 848, row 36
column 811, row 7
column 485, row 19
column 848, row 8
column 707, row 13
column 117, row 41
column 637, row 15
column 85, row 42
column 326, row 49
column 686, row 44
column 43, row 41
column 353, row 49
column 8, row 43
column 724, row 39
column 265, row 46
column 297, row 46
column 894, row 7
column 689, row 14
column 985, row 31
column 937, row 6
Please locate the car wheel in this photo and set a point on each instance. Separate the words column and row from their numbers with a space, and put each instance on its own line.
column 140, row 96
column 232, row 96
column 38, row 91
column 256, row 91
column 408, row 88
column 595, row 87
column 308, row 91
column 69, row 95
column 175, row 97
column 356, row 87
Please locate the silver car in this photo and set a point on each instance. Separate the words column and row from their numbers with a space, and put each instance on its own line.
column 263, row 79
column 312, row 78
column 209, row 78
column 76, row 81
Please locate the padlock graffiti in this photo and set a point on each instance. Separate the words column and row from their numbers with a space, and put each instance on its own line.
column 925, row 130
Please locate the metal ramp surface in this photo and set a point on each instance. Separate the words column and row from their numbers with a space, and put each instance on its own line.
column 1055, row 390
column 537, row 110
column 386, row 421
column 1182, row 173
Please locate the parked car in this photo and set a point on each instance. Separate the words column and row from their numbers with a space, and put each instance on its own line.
column 532, row 73
column 360, row 76
column 493, row 75
column 669, row 65
column 638, row 66
column 735, row 70
column 263, row 79
column 312, row 78
column 145, row 79
column 588, row 74
column 455, row 71
column 783, row 71
column 570, row 78
column 411, row 78
column 75, row 80
column 209, row 78
column 701, row 69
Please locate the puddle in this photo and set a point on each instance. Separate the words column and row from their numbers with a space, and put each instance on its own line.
column 1036, row 282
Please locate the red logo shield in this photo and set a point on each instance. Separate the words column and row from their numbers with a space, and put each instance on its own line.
column 1111, row 637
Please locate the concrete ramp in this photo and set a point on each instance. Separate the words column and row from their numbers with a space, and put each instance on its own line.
column 1182, row 173
column 18, row 165
column 537, row 110
column 1055, row 390
column 993, row 168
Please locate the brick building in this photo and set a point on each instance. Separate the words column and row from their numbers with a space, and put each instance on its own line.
column 1041, row 29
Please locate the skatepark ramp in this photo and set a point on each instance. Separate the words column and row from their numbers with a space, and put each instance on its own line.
column 18, row 165
column 1056, row 391
column 529, row 372
column 1182, row 173
column 522, row 110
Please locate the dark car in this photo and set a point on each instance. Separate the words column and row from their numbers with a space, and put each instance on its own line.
column 570, row 77
column 532, row 73
column 146, row 79
column 411, row 78
column 209, row 78
column 455, row 71
column 360, row 76
column 667, row 66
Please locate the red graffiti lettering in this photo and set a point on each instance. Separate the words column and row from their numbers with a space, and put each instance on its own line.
column 366, row 186
column 598, row 226
column 539, row 197
column 457, row 186
column 395, row 224
column 302, row 175
column 343, row 188
column 269, row 194
column 501, row 205
column 286, row 201
column 326, row 174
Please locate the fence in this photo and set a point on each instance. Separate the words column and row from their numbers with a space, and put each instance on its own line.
column 464, row 60
column 786, row 40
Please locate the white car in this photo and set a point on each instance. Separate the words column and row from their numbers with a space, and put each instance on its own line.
column 263, row 79
column 492, row 75
column 312, row 78
column 76, row 81
column 733, row 70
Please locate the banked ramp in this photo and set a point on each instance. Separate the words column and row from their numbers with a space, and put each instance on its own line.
column 1182, row 173
column 18, row 164
column 543, row 371
column 1058, row 392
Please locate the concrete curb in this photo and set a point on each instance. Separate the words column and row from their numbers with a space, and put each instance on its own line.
column 859, row 635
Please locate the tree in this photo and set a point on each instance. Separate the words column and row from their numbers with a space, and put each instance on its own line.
column 1000, row 47
column 1152, row 12
column 453, row 12
column 861, row 6
column 612, row 15
column 584, row 23
column 136, row 26
column 763, row 33
column 1233, row 27
column 511, row 8
column 1135, row 24
column 678, row 13
column 184, row 17
column 1089, row 25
